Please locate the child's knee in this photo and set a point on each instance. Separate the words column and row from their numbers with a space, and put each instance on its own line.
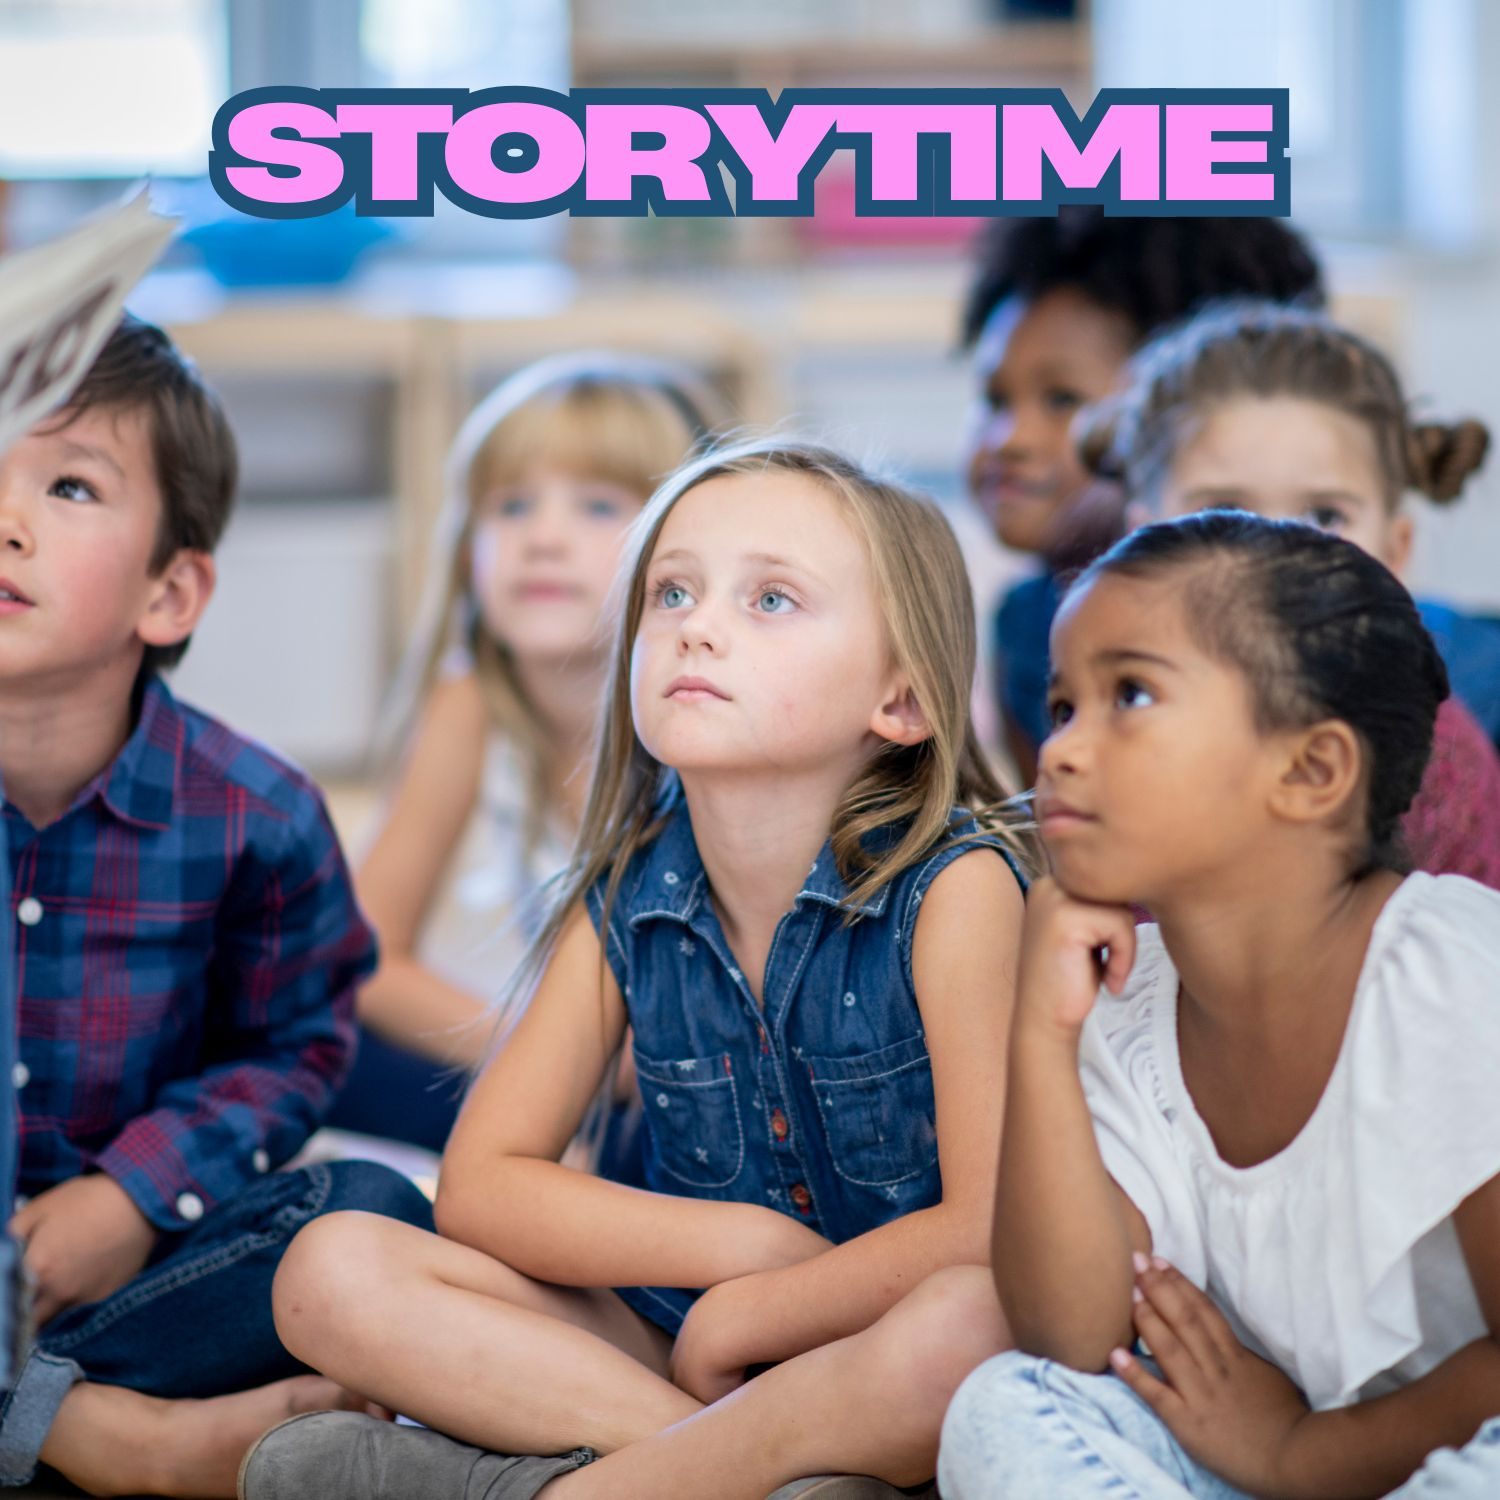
column 327, row 1267
column 955, row 1313
column 938, row 1333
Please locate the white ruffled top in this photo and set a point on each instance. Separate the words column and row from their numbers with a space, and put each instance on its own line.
column 1336, row 1258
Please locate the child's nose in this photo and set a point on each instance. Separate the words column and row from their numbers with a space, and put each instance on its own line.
column 699, row 629
column 546, row 534
column 1064, row 751
column 15, row 532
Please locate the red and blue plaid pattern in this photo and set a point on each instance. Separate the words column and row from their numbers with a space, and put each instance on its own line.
column 186, row 948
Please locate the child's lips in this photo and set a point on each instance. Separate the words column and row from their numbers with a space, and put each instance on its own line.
column 543, row 591
column 693, row 690
column 1054, row 816
column 12, row 600
column 1001, row 492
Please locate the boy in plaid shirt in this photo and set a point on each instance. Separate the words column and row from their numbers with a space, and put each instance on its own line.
column 186, row 951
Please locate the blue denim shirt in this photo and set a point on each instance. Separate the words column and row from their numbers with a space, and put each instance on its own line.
column 1022, row 639
column 1470, row 648
column 820, row 1104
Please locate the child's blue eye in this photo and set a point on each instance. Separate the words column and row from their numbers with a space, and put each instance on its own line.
column 1131, row 694
column 66, row 487
column 671, row 595
column 601, row 508
column 1059, row 711
column 1060, row 400
column 512, row 507
column 777, row 599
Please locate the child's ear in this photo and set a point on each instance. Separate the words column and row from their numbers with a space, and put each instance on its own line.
column 900, row 718
column 1323, row 773
column 1398, row 540
column 178, row 596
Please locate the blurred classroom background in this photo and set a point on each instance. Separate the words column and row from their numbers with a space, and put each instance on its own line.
column 349, row 350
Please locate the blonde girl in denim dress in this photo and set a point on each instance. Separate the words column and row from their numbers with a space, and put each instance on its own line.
column 797, row 887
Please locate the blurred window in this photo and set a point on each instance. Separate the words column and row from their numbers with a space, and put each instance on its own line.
column 109, row 88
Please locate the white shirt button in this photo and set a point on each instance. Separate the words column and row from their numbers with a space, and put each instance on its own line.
column 190, row 1206
column 29, row 911
column 20, row 1075
column 260, row 1161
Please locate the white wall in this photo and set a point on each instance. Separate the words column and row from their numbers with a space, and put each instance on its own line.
column 1395, row 172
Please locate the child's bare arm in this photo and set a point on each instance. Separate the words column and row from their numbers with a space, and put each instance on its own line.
column 1063, row 1230
column 963, row 962
column 405, row 1000
column 503, row 1191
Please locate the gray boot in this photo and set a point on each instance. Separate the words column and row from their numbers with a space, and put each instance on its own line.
column 341, row 1455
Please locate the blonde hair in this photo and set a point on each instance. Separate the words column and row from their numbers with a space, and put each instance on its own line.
column 923, row 589
column 625, row 419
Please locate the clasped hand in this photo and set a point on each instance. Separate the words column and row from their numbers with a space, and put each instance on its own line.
column 1234, row 1412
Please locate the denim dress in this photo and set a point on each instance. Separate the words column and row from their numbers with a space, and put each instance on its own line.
column 819, row 1104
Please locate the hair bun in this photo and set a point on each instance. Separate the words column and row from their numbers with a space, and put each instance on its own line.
column 1441, row 456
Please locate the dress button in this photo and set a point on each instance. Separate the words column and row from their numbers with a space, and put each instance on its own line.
column 801, row 1197
column 190, row 1206
column 260, row 1160
column 20, row 1075
column 29, row 912
column 778, row 1125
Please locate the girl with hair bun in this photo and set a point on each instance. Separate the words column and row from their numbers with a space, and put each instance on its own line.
column 1248, row 1204
column 1256, row 407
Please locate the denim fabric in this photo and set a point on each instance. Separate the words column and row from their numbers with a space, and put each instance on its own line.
column 820, row 1104
column 197, row 1321
column 1022, row 1428
column 1470, row 648
column 398, row 1095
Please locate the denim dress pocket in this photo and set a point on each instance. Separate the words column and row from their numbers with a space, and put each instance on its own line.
column 878, row 1112
column 694, row 1118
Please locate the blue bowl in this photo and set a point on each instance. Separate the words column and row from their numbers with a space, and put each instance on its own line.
column 242, row 251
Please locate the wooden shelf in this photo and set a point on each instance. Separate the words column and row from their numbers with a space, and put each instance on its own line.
column 1042, row 52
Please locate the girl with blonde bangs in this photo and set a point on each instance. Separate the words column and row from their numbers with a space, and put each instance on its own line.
column 796, row 894
column 498, row 698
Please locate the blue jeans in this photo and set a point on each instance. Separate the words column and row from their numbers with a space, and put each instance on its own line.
column 1022, row 1428
column 398, row 1095
column 197, row 1321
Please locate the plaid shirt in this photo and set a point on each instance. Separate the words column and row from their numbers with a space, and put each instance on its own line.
column 187, row 947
